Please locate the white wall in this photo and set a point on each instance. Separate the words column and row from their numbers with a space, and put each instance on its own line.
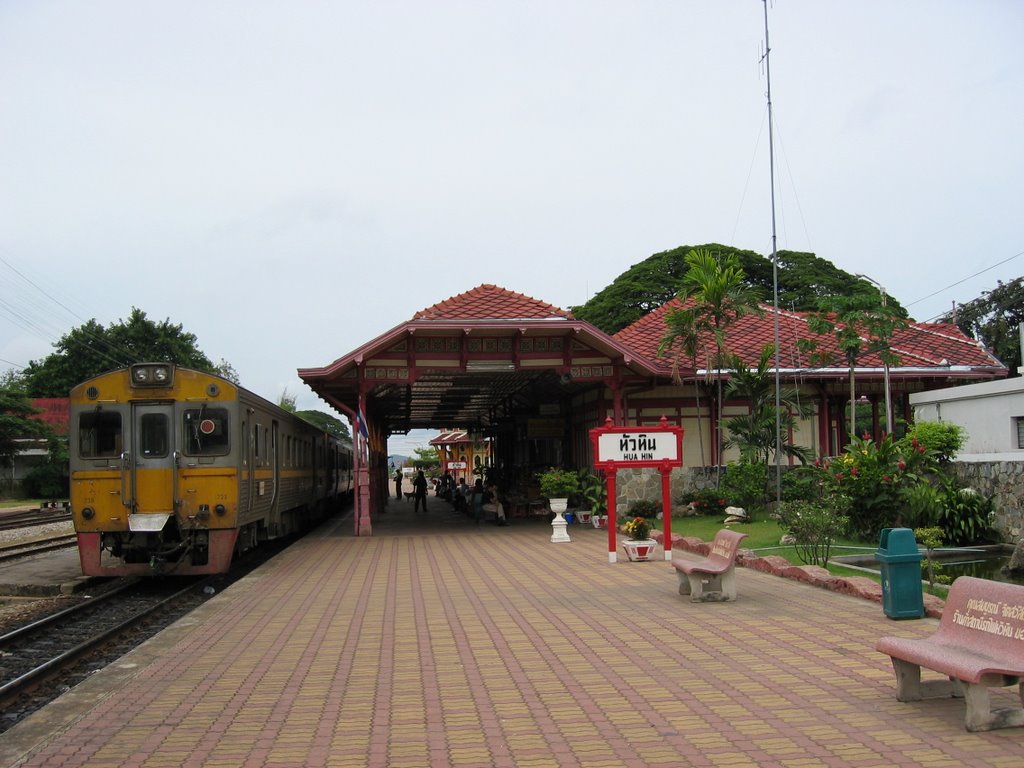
column 988, row 412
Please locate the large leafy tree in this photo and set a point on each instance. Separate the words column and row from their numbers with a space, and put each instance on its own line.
column 803, row 279
column 994, row 318
column 91, row 349
column 16, row 423
column 326, row 422
column 425, row 458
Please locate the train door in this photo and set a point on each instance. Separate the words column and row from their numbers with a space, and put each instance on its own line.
column 150, row 469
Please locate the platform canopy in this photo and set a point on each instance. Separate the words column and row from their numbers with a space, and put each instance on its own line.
column 475, row 359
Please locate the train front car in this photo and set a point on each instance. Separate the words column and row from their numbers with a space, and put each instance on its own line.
column 155, row 462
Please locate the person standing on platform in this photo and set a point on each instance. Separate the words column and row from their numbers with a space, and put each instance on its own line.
column 419, row 485
column 398, row 484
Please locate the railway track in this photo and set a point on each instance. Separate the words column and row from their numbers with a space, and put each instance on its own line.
column 10, row 521
column 37, row 547
column 40, row 660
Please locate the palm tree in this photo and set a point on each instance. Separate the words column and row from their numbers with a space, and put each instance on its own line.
column 682, row 337
column 715, row 294
column 754, row 432
column 859, row 326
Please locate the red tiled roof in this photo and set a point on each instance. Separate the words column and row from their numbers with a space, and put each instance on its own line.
column 921, row 345
column 489, row 302
column 53, row 412
column 446, row 438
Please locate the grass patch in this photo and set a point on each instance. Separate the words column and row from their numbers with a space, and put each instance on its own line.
column 763, row 538
column 8, row 503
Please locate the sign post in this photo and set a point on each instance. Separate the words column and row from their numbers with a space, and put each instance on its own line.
column 660, row 447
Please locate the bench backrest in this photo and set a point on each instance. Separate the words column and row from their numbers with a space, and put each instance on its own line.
column 986, row 615
column 725, row 546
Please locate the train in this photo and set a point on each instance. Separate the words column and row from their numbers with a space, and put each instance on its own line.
column 177, row 471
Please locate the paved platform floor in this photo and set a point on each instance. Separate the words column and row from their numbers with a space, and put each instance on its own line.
column 439, row 643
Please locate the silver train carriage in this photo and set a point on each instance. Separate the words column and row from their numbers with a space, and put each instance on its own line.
column 174, row 471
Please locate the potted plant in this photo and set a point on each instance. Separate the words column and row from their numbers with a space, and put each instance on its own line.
column 595, row 497
column 639, row 547
column 557, row 485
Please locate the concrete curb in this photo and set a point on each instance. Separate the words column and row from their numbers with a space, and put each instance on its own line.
column 857, row 586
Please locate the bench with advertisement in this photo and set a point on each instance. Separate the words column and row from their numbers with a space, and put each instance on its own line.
column 979, row 644
column 714, row 577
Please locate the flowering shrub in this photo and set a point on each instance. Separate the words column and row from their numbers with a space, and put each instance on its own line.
column 638, row 528
column 942, row 438
column 875, row 476
column 644, row 508
column 706, row 502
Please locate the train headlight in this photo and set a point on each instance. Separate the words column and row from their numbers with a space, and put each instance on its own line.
column 221, row 510
column 152, row 375
column 88, row 513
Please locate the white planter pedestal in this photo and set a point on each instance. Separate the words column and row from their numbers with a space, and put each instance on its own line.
column 558, row 533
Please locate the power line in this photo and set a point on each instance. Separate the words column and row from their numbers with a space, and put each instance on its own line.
column 37, row 318
column 964, row 280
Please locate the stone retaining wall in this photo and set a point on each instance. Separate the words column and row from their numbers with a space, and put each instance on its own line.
column 1004, row 481
column 636, row 484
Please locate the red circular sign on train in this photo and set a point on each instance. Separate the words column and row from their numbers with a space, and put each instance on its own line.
column 207, row 426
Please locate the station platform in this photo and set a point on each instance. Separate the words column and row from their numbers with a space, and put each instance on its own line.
column 52, row 573
column 437, row 642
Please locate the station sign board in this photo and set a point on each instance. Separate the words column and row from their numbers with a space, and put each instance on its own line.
column 639, row 447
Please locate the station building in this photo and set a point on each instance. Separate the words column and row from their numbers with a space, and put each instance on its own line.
column 532, row 381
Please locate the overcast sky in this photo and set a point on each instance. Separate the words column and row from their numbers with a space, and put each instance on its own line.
column 290, row 180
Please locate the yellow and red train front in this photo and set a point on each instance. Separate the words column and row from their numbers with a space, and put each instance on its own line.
column 155, row 472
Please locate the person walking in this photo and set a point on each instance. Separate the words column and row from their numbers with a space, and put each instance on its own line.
column 419, row 485
column 398, row 484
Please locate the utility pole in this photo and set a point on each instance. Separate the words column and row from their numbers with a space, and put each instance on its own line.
column 885, row 362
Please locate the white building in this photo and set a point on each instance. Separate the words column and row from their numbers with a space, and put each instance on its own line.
column 991, row 413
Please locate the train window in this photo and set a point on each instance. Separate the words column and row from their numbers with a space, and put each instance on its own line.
column 99, row 434
column 153, row 435
column 206, row 432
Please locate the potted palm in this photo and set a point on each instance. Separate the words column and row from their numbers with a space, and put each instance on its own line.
column 595, row 498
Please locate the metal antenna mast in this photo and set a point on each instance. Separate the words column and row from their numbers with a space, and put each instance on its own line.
column 775, row 267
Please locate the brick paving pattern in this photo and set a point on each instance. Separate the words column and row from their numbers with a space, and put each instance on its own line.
column 438, row 643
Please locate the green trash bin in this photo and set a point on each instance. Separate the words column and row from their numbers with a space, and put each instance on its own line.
column 900, row 562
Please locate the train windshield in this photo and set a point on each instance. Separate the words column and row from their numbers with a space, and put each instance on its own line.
column 153, row 435
column 206, row 432
column 99, row 435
